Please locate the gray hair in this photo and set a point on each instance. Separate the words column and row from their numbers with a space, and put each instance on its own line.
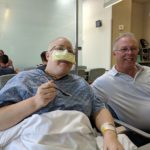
column 127, row 34
column 52, row 43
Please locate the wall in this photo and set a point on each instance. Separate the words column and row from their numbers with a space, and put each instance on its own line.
column 31, row 24
column 137, row 24
column 121, row 15
column 96, row 42
column 141, row 20
column 134, row 16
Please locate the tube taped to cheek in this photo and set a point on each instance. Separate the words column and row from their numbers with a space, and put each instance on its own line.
column 63, row 55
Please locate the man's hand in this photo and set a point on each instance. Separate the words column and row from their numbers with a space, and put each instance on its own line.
column 12, row 114
column 45, row 94
column 110, row 136
column 111, row 142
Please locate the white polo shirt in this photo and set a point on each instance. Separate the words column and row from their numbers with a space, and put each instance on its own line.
column 128, row 97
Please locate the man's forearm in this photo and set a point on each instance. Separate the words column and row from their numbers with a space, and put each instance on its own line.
column 104, row 122
column 12, row 114
column 104, row 118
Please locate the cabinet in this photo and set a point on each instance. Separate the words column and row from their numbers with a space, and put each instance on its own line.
column 145, row 55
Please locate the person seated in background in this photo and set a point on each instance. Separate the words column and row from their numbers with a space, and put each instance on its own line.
column 1, row 52
column 43, row 57
column 44, row 61
column 38, row 91
column 126, row 87
column 10, row 63
column 4, row 69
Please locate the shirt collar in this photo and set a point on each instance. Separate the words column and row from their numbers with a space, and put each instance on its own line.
column 114, row 72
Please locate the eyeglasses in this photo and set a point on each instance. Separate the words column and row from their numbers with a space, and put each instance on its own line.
column 61, row 47
column 127, row 49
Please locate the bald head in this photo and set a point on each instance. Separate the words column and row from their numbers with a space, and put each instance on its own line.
column 60, row 59
column 61, row 43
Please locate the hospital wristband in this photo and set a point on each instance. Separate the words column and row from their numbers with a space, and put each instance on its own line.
column 107, row 126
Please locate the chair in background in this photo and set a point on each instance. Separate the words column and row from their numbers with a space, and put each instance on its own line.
column 82, row 73
column 82, row 67
column 94, row 73
column 4, row 79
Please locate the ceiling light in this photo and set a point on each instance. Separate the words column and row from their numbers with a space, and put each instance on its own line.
column 109, row 3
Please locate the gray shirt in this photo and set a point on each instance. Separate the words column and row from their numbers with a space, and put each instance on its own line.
column 129, row 97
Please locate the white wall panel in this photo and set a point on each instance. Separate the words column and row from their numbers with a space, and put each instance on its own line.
column 96, row 41
column 31, row 24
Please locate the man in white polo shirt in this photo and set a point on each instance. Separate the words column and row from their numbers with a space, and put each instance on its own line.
column 126, row 87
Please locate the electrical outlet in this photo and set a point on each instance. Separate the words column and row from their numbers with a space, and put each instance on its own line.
column 121, row 27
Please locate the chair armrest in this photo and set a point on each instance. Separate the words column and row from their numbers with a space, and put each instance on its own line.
column 121, row 129
column 136, row 130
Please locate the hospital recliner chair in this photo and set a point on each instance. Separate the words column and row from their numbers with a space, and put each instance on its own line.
column 128, row 126
column 131, row 131
column 127, row 129
column 82, row 73
column 95, row 73
column 4, row 79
